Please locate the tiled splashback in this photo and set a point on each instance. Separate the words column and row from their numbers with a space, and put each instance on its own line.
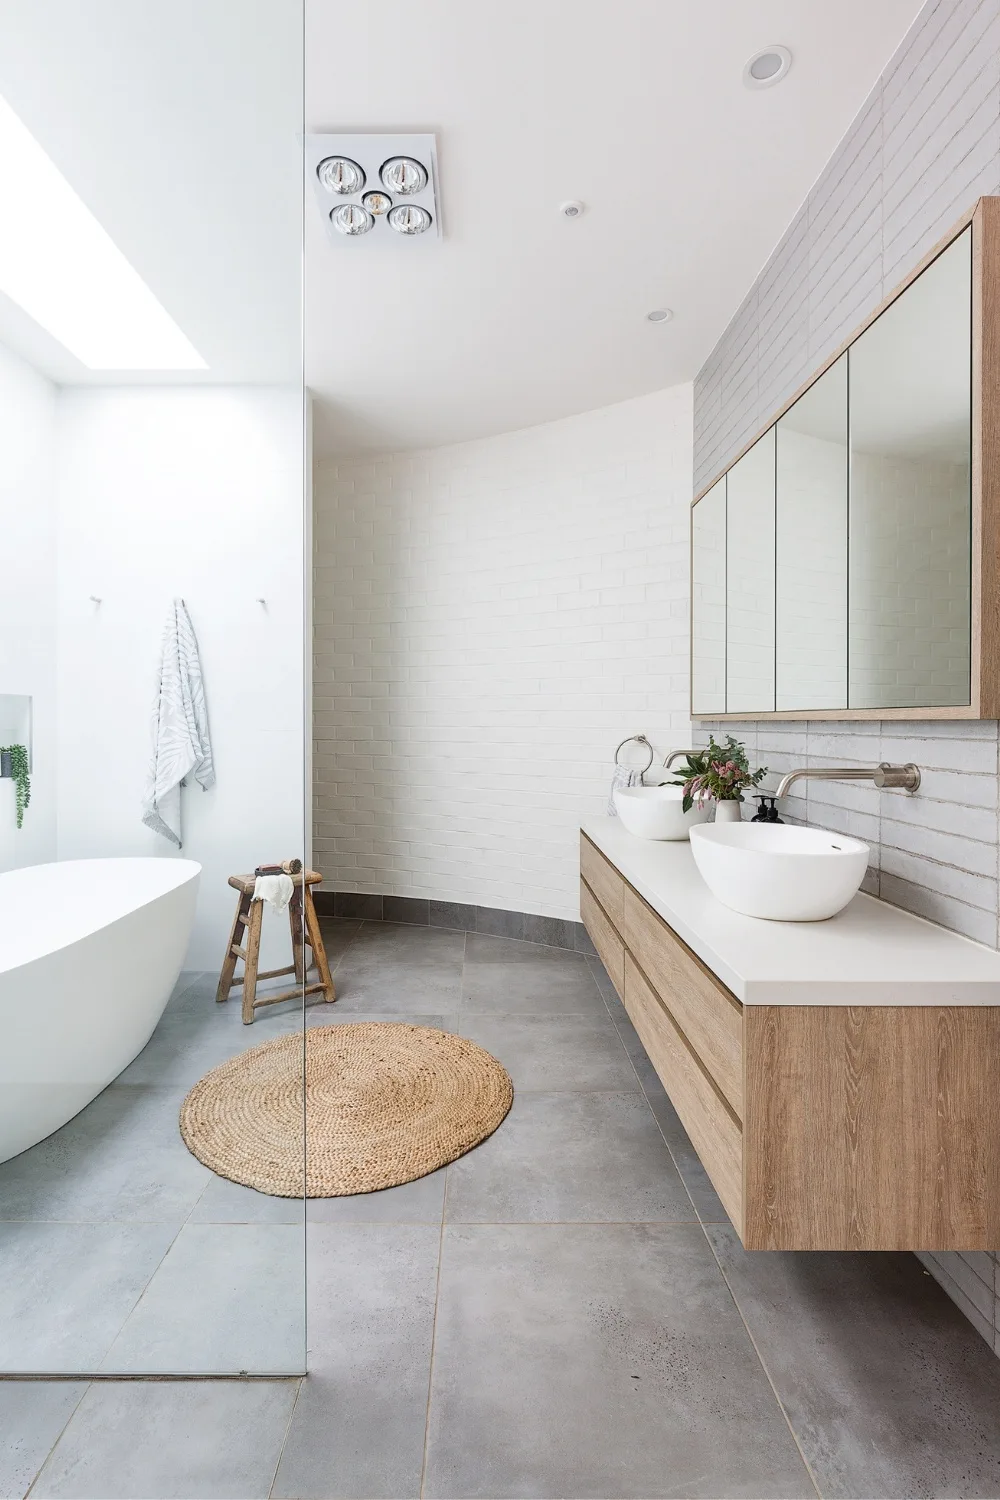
column 935, row 851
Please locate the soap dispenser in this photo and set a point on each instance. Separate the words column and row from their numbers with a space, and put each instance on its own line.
column 767, row 812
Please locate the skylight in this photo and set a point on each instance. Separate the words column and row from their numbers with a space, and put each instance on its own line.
column 65, row 271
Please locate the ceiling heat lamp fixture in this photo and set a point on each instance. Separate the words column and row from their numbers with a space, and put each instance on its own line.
column 339, row 174
column 363, row 181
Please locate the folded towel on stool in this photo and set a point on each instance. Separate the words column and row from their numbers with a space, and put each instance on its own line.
column 276, row 890
column 623, row 776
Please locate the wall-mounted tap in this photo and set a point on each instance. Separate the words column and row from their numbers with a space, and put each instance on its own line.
column 883, row 775
column 673, row 755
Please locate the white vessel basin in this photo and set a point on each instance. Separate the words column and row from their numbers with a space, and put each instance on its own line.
column 783, row 873
column 654, row 812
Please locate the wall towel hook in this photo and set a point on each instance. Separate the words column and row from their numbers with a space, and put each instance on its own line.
column 94, row 599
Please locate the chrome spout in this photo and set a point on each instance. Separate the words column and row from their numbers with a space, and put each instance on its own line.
column 883, row 776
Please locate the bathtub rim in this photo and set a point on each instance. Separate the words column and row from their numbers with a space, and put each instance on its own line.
column 184, row 871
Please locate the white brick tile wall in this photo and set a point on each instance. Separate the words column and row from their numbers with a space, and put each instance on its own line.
column 924, row 146
column 491, row 619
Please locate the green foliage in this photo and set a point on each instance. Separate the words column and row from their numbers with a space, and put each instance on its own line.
column 22, row 781
column 721, row 773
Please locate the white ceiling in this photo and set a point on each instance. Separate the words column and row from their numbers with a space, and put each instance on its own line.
column 637, row 107
column 180, row 126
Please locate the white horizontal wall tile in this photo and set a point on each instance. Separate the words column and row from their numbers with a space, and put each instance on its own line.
column 491, row 619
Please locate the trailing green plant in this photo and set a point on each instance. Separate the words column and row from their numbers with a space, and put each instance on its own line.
column 721, row 773
column 22, row 781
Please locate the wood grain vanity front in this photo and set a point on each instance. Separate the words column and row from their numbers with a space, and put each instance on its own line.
column 822, row 1127
column 711, row 1124
column 708, row 1015
column 610, row 948
column 604, row 881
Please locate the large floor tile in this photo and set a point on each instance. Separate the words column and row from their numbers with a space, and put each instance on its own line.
column 570, row 1158
column 505, row 977
column 120, row 1159
column 32, row 1415
column 889, row 1390
column 155, row 1440
column 419, row 1202
column 358, row 1427
column 66, row 1290
column 595, row 1361
column 582, row 1053
column 402, row 970
column 228, row 1299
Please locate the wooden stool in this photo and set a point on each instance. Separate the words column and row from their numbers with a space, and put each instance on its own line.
column 304, row 926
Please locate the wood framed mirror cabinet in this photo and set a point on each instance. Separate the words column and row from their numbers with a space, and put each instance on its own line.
column 846, row 565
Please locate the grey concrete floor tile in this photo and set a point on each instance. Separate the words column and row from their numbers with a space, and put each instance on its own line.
column 569, row 1157
column 596, row 1361
column 332, row 1015
column 548, row 1053
column 338, row 935
column 490, row 948
column 156, row 1440
column 32, row 1415
column 67, row 1289
column 359, row 1422
column 419, row 1202
column 401, row 969
column 889, row 1390
column 549, row 981
column 120, row 1159
column 227, row 1299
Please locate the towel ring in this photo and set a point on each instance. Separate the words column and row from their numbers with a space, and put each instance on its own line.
column 639, row 739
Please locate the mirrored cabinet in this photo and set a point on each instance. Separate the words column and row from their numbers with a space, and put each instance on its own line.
column 846, row 564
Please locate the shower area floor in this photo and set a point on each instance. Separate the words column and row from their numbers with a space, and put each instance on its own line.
column 564, row 1312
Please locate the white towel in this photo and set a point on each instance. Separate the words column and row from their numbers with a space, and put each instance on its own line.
column 622, row 776
column 276, row 890
column 181, row 741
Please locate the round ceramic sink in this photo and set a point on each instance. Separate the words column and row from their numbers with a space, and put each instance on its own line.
column 655, row 812
column 777, row 871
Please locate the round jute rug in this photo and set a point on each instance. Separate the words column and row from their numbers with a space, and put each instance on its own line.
column 386, row 1102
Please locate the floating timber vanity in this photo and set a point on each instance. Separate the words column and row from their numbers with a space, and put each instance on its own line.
column 840, row 1080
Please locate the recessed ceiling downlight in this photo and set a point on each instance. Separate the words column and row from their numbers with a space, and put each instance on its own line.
column 351, row 218
column 403, row 175
column 767, row 67
column 409, row 218
column 659, row 315
column 341, row 175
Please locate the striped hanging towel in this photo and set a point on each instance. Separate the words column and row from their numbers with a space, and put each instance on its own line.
column 182, row 745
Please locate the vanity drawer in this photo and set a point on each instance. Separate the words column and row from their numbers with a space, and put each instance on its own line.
column 604, row 880
column 714, row 1132
column 710, row 1018
column 610, row 948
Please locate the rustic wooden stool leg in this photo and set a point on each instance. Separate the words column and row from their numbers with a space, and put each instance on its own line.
column 229, row 962
column 252, row 960
column 315, row 938
column 296, row 925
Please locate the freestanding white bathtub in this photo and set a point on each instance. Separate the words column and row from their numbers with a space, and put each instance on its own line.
column 90, row 950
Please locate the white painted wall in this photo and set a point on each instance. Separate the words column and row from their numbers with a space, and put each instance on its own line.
column 196, row 493
column 27, row 622
column 491, row 619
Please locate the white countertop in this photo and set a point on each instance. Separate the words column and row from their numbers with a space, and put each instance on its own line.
column 869, row 954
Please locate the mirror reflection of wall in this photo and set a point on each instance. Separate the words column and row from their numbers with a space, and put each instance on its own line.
column 910, row 520
column 750, row 580
column 811, row 547
column 708, row 602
